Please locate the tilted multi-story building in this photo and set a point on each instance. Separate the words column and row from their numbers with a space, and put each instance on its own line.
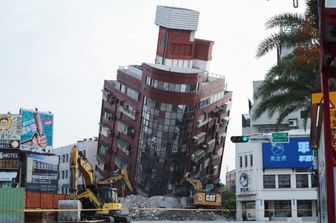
column 161, row 120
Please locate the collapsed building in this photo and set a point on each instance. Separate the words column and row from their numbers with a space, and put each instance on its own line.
column 160, row 120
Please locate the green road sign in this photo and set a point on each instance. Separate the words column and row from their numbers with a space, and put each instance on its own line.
column 280, row 137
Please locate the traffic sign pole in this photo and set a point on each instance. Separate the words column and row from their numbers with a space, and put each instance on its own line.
column 326, row 73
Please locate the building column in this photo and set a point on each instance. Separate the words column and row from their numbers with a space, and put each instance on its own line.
column 260, row 210
column 314, row 208
column 239, row 211
column 294, row 209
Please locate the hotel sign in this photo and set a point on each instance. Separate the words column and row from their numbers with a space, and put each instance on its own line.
column 9, row 155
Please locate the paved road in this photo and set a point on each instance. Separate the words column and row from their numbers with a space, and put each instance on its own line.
column 213, row 221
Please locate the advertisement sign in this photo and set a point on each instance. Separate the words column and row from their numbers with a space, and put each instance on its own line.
column 295, row 154
column 10, row 131
column 317, row 98
column 37, row 131
column 8, row 154
column 42, row 173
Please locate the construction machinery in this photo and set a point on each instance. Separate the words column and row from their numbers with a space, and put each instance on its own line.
column 200, row 197
column 119, row 175
column 98, row 201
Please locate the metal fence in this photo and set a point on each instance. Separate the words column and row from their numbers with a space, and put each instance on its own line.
column 12, row 205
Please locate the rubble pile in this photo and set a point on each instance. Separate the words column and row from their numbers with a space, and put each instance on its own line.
column 131, row 202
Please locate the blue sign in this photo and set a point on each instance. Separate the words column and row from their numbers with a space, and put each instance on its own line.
column 37, row 131
column 295, row 154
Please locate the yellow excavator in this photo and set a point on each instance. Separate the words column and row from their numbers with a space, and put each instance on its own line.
column 119, row 175
column 199, row 197
column 101, row 197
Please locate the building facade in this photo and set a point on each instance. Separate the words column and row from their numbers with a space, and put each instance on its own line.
column 88, row 147
column 275, row 181
column 230, row 180
column 161, row 120
column 10, row 165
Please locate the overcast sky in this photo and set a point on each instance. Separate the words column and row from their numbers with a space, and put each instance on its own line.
column 55, row 54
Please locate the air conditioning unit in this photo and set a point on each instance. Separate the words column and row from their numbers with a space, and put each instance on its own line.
column 292, row 122
column 131, row 131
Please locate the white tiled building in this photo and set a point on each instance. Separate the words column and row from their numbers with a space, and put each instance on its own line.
column 88, row 147
column 275, row 181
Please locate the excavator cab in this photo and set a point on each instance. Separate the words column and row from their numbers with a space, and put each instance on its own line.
column 107, row 194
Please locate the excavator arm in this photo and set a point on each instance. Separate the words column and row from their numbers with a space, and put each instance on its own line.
column 78, row 163
column 197, row 184
column 121, row 176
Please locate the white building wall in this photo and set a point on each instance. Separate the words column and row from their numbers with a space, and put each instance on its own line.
column 201, row 64
column 260, row 131
column 88, row 147
column 256, row 192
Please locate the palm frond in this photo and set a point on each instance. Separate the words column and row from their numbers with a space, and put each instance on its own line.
column 283, row 39
column 285, row 20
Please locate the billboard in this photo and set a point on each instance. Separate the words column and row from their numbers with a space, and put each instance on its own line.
column 37, row 131
column 295, row 154
column 10, row 131
column 42, row 173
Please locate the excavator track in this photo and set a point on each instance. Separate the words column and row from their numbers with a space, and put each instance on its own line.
column 121, row 219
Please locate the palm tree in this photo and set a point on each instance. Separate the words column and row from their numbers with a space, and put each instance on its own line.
column 288, row 85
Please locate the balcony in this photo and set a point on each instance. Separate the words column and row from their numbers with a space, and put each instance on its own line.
column 209, row 146
column 215, row 159
column 221, row 138
column 123, row 146
column 108, row 116
column 108, row 97
column 134, row 71
column 125, row 129
column 199, row 154
column 104, row 130
column 131, row 115
column 202, row 122
column 227, row 106
column 198, row 139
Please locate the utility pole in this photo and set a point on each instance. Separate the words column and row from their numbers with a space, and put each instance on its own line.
column 327, row 68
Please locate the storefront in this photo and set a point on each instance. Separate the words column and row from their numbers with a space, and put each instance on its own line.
column 7, row 179
column 9, row 167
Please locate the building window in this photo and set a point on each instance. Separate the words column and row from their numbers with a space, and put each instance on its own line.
column 211, row 99
column 304, row 208
column 174, row 148
column 301, row 180
column 123, row 146
column 240, row 161
column 63, row 174
column 283, row 208
column 269, row 181
column 246, row 163
column 251, row 160
column 66, row 174
column 67, row 158
column 284, row 181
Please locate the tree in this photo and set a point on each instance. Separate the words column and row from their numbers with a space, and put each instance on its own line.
column 228, row 202
column 289, row 84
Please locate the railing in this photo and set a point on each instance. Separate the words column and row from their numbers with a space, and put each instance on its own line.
column 132, row 71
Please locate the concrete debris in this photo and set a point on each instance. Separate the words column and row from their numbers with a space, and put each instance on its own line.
column 137, row 201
